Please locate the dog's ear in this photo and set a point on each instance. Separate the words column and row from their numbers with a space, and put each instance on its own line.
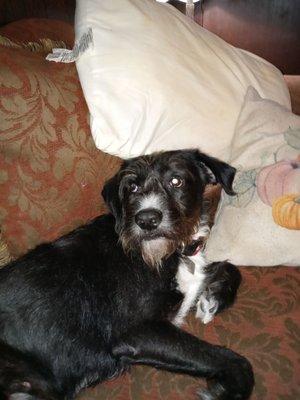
column 217, row 171
column 110, row 194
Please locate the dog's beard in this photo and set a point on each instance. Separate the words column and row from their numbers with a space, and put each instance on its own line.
column 157, row 246
column 154, row 251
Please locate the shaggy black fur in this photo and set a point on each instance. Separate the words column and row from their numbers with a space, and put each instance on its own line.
column 81, row 309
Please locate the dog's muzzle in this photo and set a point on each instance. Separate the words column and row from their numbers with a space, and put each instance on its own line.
column 148, row 219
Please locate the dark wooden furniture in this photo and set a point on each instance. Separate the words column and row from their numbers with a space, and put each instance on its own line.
column 269, row 28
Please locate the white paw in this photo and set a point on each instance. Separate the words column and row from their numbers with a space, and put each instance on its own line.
column 206, row 308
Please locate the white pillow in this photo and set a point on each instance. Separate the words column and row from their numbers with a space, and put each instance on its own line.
column 261, row 225
column 155, row 80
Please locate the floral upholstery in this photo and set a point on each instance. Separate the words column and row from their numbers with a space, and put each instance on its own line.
column 51, row 173
column 33, row 29
column 50, row 180
column 263, row 325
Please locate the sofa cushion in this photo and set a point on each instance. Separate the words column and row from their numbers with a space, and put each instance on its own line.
column 51, row 173
column 263, row 325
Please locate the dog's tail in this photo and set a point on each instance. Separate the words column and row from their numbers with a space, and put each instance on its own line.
column 22, row 377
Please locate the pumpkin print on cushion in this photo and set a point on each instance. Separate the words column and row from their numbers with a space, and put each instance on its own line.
column 277, row 180
column 276, row 186
column 286, row 211
column 266, row 153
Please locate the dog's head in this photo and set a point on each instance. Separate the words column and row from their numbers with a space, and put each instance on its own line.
column 157, row 200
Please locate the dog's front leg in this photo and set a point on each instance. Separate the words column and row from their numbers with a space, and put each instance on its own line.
column 164, row 346
column 220, row 287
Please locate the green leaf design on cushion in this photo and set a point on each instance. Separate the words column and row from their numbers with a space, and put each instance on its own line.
column 244, row 186
column 292, row 137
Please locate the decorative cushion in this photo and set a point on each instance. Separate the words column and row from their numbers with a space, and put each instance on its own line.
column 155, row 80
column 261, row 225
column 51, row 173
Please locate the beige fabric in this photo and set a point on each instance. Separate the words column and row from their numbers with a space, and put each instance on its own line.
column 41, row 45
column 266, row 151
column 5, row 256
column 156, row 80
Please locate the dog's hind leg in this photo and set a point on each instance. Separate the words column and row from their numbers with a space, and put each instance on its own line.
column 164, row 346
column 220, row 286
column 22, row 377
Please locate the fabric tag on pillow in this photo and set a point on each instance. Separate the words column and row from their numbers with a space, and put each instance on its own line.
column 68, row 56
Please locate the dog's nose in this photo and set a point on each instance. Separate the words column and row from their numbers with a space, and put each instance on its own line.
column 148, row 219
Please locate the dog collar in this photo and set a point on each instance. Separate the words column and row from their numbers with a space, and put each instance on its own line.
column 194, row 248
column 197, row 250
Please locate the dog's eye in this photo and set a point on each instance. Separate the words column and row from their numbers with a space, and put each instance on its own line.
column 176, row 182
column 133, row 187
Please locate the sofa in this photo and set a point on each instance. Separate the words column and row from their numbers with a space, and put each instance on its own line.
column 51, row 175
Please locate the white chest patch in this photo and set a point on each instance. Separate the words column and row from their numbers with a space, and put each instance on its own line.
column 190, row 283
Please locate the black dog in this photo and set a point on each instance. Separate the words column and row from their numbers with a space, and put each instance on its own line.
column 87, row 306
